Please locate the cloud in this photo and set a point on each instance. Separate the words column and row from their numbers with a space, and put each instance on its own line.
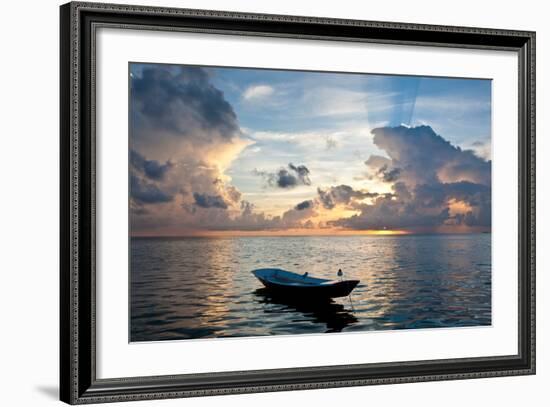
column 178, row 100
column 481, row 149
column 434, row 184
column 304, row 205
column 425, row 157
column 150, row 168
column 284, row 179
column 341, row 194
column 389, row 174
column 209, row 201
column 296, row 218
column 183, row 135
column 382, row 168
column 250, row 220
column 144, row 192
column 289, row 177
column 257, row 92
column 377, row 162
column 232, row 193
column 144, row 182
column 246, row 208
column 428, row 207
column 302, row 172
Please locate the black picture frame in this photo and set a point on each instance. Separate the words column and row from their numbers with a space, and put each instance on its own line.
column 78, row 381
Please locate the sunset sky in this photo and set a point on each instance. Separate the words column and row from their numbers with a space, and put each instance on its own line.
column 232, row 151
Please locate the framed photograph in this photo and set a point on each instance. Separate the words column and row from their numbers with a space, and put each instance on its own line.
column 254, row 203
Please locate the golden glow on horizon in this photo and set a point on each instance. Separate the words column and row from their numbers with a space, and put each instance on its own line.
column 444, row 229
column 286, row 232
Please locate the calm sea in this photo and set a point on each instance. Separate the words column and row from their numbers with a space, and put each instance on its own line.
column 202, row 287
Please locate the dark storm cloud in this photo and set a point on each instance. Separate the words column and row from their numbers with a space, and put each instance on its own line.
column 183, row 132
column 389, row 175
column 145, row 185
column 145, row 192
column 209, row 201
column 424, row 157
column 428, row 176
column 383, row 168
column 425, row 206
column 389, row 214
column 284, row 179
column 439, row 193
column 301, row 171
column 151, row 168
column 341, row 194
column 304, row 205
column 181, row 100
column 289, row 177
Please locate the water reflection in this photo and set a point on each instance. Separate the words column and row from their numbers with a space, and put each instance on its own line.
column 202, row 287
column 327, row 312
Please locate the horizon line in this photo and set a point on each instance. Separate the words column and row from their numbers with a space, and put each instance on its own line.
column 254, row 234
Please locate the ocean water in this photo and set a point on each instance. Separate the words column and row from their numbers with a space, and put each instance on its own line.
column 198, row 287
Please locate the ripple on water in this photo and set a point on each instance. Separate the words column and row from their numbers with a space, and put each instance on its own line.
column 201, row 288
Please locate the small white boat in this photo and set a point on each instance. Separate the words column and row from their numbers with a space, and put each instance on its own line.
column 286, row 283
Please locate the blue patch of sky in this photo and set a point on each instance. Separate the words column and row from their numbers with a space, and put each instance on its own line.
column 458, row 109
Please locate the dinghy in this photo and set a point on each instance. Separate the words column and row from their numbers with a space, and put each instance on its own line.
column 293, row 285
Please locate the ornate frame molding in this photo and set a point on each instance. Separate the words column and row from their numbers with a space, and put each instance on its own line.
column 79, row 21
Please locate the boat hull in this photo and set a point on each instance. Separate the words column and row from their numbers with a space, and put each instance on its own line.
column 335, row 290
column 284, row 283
